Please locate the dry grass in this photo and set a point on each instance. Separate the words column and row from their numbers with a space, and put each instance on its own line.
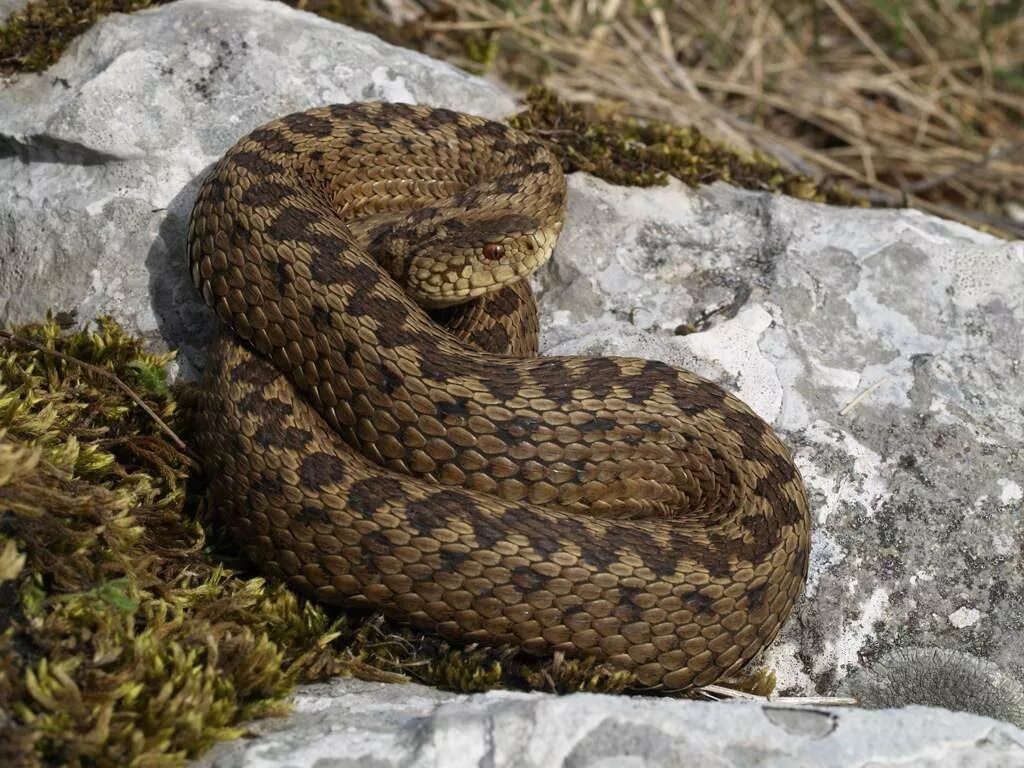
column 902, row 102
column 913, row 102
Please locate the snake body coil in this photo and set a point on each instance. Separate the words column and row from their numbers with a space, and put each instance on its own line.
column 611, row 507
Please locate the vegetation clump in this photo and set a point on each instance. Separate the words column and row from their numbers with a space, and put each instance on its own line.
column 623, row 150
column 34, row 37
column 123, row 641
column 130, row 633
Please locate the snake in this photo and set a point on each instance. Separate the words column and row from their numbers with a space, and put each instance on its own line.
column 379, row 432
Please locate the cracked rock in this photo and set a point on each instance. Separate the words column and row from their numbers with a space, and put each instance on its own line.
column 348, row 723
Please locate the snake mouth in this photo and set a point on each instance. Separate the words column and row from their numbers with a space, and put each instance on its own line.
column 450, row 296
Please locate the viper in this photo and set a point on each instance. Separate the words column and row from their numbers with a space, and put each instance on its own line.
column 431, row 466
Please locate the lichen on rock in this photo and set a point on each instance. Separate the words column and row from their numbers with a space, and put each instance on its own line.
column 938, row 677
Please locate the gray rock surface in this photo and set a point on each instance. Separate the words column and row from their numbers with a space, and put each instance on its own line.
column 938, row 677
column 7, row 7
column 885, row 346
column 102, row 154
column 346, row 723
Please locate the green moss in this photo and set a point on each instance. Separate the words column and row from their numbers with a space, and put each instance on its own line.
column 34, row 37
column 629, row 152
column 130, row 633
column 123, row 640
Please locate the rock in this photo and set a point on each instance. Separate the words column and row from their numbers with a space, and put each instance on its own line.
column 102, row 154
column 7, row 7
column 346, row 723
column 885, row 346
column 938, row 677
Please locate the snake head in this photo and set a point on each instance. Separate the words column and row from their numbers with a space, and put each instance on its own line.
column 463, row 258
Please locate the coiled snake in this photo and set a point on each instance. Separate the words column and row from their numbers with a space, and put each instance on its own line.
column 611, row 507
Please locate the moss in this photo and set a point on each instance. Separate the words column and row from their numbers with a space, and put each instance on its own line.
column 122, row 640
column 628, row 152
column 34, row 37
column 130, row 633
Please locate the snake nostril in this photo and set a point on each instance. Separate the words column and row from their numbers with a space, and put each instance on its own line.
column 494, row 251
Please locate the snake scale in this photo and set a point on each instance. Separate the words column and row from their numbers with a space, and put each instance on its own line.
column 609, row 507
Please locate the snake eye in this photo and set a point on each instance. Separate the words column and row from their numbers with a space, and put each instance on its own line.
column 494, row 251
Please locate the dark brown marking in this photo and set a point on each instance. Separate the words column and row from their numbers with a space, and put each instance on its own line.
column 438, row 509
column 414, row 217
column 271, row 433
column 494, row 339
column 346, row 112
column 399, row 111
column 699, row 604
column 291, row 223
column 627, row 611
column 320, row 469
column 322, row 317
column 442, row 116
column 268, row 484
column 254, row 371
column 508, row 301
column 467, row 199
column 264, row 194
column 240, row 233
column 273, row 141
column 282, row 276
column 755, row 596
column 596, row 425
column 458, row 410
column 527, row 579
column 367, row 495
column 596, row 375
column 439, row 367
column 485, row 129
column 328, row 265
column 309, row 125
column 268, row 408
column 312, row 516
column 257, row 163
column 375, row 543
column 508, row 183
column 215, row 189
column 391, row 377
column 642, row 386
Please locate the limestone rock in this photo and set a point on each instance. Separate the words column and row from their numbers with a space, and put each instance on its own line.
column 346, row 723
column 7, row 7
column 103, row 153
column 886, row 347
